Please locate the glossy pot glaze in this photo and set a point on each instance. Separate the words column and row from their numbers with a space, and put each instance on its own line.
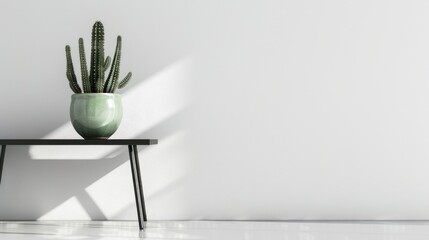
column 96, row 115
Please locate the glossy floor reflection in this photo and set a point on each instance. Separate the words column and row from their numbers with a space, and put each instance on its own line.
column 225, row 230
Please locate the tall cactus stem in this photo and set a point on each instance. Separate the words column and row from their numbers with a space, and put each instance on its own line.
column 83, row 67
column 97, row 57
column 111, row 82
column 70, row 72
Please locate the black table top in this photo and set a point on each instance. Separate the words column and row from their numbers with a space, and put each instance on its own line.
column 78, row 142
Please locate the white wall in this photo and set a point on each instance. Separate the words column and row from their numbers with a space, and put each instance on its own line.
column 264, row 109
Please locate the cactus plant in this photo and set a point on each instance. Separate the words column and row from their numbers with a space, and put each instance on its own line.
column 93, row 81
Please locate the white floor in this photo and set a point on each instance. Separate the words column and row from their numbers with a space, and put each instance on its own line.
column 222, row 230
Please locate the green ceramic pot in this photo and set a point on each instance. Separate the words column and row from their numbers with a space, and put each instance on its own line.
column 96, row 115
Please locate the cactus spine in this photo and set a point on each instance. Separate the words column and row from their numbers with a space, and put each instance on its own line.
column 94, row 83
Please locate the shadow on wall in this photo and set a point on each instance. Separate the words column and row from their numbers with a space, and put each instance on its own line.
column 38, row 179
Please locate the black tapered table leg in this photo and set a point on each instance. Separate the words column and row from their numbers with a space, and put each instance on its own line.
column 138, row 187
column 3, row 151
column 136, row 155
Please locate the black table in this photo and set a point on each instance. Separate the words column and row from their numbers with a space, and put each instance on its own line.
column 132, row 149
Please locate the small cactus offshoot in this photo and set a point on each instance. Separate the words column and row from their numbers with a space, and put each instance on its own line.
column 93, row 81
